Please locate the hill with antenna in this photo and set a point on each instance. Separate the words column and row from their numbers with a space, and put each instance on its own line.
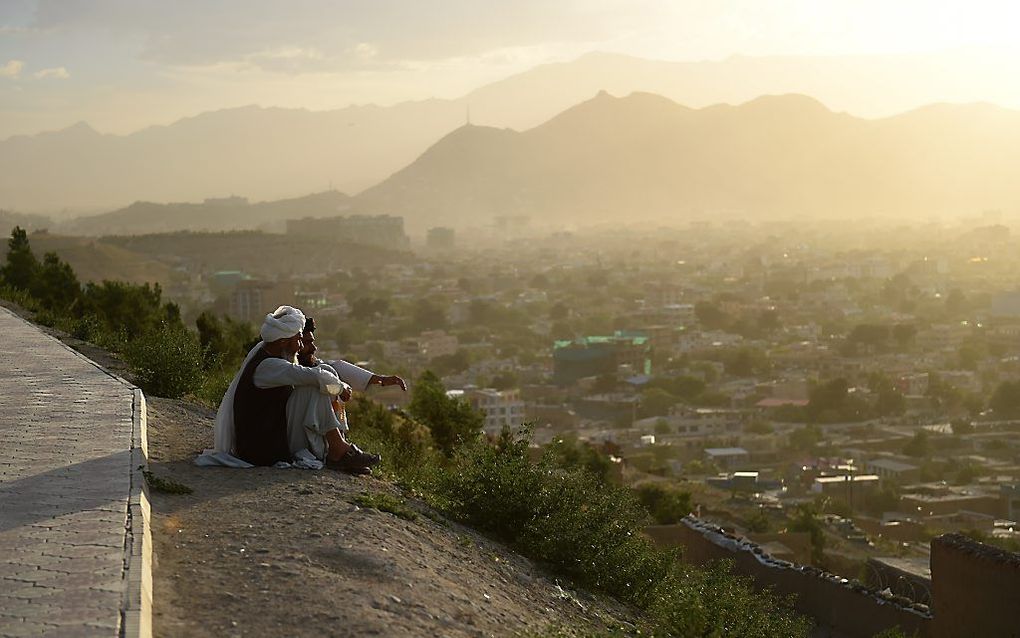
column 646, row 157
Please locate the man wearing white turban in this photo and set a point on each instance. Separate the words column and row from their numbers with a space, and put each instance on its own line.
column 272, row 396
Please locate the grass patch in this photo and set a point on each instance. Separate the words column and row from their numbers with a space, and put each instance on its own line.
column 386, row 503
column 165, row 485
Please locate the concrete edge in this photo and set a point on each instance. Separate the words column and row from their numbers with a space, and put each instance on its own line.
column 137, row 606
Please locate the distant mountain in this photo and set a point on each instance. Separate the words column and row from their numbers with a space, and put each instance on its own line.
column 228, row 213
column 646, row 157
column 9, row 219
column 261, row 153
column 271, row 153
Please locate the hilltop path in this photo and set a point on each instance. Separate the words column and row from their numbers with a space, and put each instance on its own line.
column 70, row 504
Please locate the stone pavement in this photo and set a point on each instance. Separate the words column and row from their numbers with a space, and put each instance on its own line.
column 69, row 449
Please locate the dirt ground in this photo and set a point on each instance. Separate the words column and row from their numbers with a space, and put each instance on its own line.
column 273, row 552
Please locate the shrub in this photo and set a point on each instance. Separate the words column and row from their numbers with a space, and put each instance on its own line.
column 404, row 444
column 451, row 421
column 166, row 361
column 711, row 601
column 666, row 504
column 214, row 385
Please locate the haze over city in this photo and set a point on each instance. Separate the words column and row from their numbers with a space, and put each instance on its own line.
column 567, row 318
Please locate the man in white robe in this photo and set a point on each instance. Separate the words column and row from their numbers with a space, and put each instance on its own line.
column 272, row 399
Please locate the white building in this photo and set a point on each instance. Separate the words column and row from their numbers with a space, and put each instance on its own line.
column 500, row 407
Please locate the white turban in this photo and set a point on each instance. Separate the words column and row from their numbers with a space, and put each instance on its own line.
column 282, row 324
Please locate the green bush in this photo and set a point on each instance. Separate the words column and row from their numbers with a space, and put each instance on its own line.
column 166, row 361
column 666, row 504
column 214, row 385
column 452, row 422
column 590, row 531
column 712, row 602
column 405, row 445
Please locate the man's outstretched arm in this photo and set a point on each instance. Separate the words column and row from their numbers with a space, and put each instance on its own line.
column 273, row 373
column 360, row 378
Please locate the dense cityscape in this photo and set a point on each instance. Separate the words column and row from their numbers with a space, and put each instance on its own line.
column 823, row 390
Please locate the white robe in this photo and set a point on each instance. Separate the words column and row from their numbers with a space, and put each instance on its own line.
column 309, row 411
column 309, row 418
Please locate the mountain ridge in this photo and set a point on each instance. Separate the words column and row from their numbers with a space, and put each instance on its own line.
column 644, row 156
column 273, row 152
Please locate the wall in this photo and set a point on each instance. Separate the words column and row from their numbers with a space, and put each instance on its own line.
column 841, row 608
column 976, row 588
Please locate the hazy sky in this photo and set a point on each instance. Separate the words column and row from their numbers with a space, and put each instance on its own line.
column 124, row 64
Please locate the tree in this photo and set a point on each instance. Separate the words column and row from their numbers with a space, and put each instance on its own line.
column 505, row 381
column 454, row 363
column 768, row 322
column 451, row 421
column 710, row 316
column 919, row 446
column 428, row 315
column 666, row 504
column 558, row 311
column 224, row 341
column 829, row 396
column 805, row 438
column 1005, row 400
column 758, row 522
column 55, row 284
column 904, row 334
column 806, row 520
column 956, row 302
column 656, row 402
column 569, row 453
column 890, row 402
column 369, row 307
column 22, row 265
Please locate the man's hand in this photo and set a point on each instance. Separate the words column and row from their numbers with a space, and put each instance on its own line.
column 389, row 380
column 345, row 394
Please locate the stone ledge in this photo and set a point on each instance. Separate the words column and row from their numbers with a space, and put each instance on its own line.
column 137, row 610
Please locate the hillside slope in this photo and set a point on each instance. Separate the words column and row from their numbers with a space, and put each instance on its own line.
column 229, row 213
column 286, row 552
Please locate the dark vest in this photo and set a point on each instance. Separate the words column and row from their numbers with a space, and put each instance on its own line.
column 260, row 418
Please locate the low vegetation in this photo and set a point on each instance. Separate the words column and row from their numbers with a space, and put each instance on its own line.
column 164, row 485
column 386, row 503
column 166, row 357
column 575, row 521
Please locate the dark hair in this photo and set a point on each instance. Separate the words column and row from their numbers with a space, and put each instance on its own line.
column 309, row 325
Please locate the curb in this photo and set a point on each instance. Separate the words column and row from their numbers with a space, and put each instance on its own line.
column 137, row 607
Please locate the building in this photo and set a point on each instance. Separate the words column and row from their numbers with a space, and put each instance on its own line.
column 251, row 299
column 727, row 457
column 441, row 238
column 437, row 343
column 598, row 355
column 384, row 231
column 896, row 471
column 1010, row 501
column 501, row 408
column 851, row 488
column 939, row 500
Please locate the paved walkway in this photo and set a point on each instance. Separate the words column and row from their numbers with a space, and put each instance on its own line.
column 65, row 482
